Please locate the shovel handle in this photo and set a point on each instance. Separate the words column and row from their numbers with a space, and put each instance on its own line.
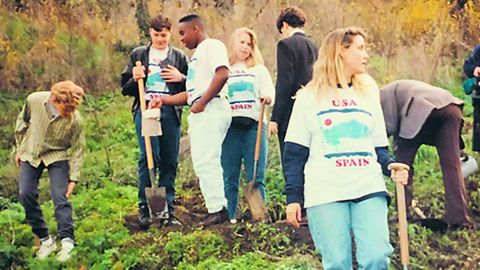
column 148, row 144
column 258, row 141
column 402, row 225
column 418, row 210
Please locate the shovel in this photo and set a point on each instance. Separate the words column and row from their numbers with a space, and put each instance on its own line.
column 156, row 196
column 252, row 194
column 436, row 225
column 402, row 216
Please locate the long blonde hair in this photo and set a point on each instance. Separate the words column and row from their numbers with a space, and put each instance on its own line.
column 255, row 56
column 329, row 70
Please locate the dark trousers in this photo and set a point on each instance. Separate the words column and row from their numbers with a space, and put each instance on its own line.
column 165, row 155
column 441, row 129
column 28, row 185
column 281, row 143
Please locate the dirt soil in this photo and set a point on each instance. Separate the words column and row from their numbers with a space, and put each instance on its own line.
column 191, row 211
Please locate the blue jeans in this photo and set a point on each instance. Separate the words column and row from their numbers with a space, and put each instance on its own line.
column 331, row 226
column 165, row 155
column 28, row 197
column 240, row 144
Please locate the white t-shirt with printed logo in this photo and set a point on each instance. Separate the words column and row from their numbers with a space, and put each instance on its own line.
column 155, row 85
column 246, row 86
column 208, row 56
column 341, row 134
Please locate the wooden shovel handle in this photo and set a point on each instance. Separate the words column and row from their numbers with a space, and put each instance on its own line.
column 397, row 166
column 259, row 131
column 148, row 144
column 402, row 225
column 258, row 141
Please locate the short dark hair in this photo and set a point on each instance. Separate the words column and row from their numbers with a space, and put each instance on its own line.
column 190, row 18
column 293, row 16
column 159, row 22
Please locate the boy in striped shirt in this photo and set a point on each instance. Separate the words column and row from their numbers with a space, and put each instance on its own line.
column 48, row 134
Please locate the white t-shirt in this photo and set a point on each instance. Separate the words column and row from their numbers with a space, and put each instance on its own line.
column 341, row 135
column 208, row 56
column 156, row 85
column 246, row 86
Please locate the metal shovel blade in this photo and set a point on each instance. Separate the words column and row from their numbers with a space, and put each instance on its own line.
column 255, row 202
column 156, row 199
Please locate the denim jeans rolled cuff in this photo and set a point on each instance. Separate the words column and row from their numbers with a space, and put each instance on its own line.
column 28, row 185
column 238, row 147
column 165, row 156
column 331, row 226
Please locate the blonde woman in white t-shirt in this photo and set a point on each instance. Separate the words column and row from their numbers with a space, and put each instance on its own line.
column 335, row 152
column 249, row 84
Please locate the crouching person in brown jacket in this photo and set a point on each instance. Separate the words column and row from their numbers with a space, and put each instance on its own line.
column 49, row 134
column 417, row 113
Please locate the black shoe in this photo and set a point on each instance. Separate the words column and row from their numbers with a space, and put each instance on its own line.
column 216, row 218
column 144, row 220
column 172, row 221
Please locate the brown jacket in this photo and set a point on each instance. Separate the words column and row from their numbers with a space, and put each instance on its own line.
column 406, row 104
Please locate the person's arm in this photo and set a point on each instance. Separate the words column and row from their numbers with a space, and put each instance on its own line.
column 77, row 150
column 174, row 100
column 218, row 64
column 128, row 83
column 21, row 127
column 384, row 159
column 284, row 84
column 294, row 159
column 267, row 90
column 218, row 81
column 471, row 67
column 295, row 156
column 380, row 140
column 22, row 124
column 177, row 73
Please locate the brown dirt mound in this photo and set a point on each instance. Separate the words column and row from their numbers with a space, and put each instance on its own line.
column 191, row 211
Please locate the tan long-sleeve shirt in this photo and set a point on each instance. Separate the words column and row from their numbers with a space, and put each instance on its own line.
column 42, row 135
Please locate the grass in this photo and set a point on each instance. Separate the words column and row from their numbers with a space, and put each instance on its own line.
column 107, row 194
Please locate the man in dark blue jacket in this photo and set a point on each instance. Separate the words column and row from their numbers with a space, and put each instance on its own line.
column 163, row 68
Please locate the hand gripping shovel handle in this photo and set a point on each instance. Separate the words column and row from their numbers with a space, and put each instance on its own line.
column 402, row 217
column 148, row 145
column 258, row 141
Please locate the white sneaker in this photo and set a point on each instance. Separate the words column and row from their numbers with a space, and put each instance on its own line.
column 233, row 221
column 66, row 251
column 48, row 246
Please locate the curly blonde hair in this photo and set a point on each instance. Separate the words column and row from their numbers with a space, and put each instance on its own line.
column 67, row 95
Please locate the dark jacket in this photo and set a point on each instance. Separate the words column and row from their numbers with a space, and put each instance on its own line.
column 472, row 62
column 295, row 58
column 175, row 58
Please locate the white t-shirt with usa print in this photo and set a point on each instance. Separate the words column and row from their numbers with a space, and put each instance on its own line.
column 246, row 86
column 341, row 134
column 155, row 85
column 208, row 56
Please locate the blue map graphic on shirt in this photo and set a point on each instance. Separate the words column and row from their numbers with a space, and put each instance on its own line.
column 153, row 79
column 190, row 78
column 190, row 74
column 352, row 129
column 241, row 86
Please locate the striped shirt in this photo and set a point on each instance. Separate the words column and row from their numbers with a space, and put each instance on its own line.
column 42, row 135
